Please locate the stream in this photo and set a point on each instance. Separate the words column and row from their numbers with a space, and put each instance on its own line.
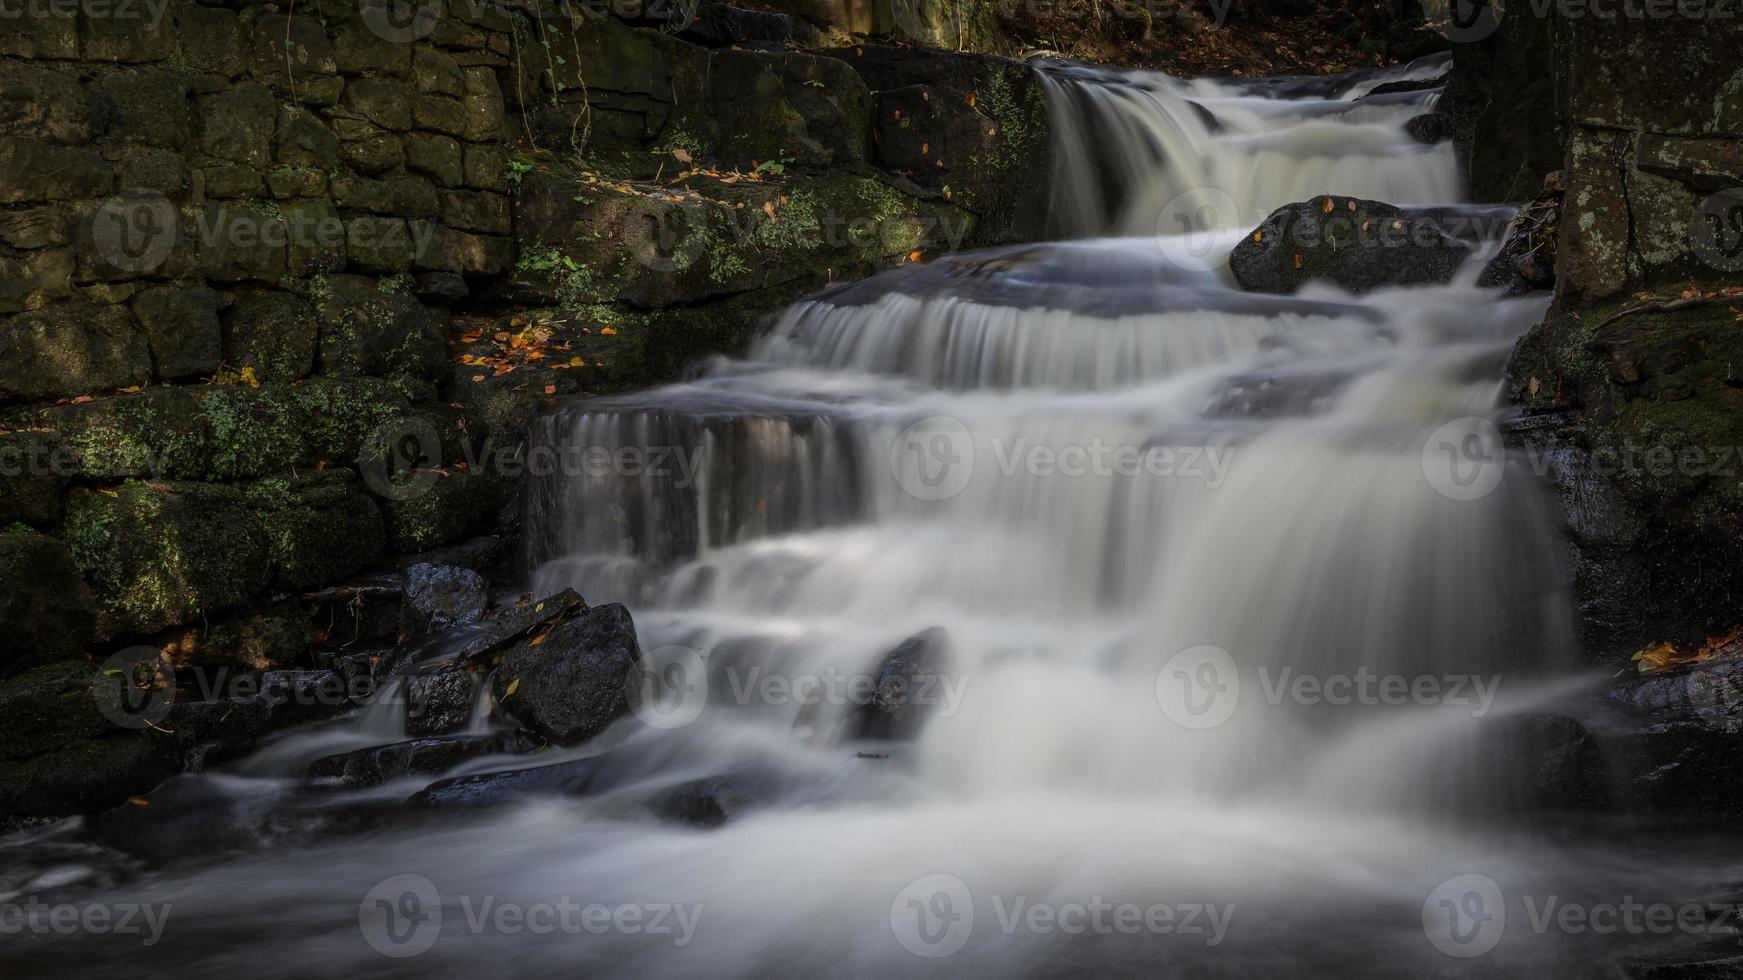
column 1240, row 595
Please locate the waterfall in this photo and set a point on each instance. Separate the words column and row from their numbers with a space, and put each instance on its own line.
column 1276, row 502
column 1145, row 154
column 1141, row 507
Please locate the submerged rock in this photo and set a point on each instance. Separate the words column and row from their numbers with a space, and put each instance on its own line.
column 909, row 688
column 1356, row 244
column 415, row 757
column 574, row 778
column 700, row 803
column 569, row 683
column 1430, row 127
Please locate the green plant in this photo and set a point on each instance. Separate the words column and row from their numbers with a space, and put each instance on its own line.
column 776, row 166
column 517, row 168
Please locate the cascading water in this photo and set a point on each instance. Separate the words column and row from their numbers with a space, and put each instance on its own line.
column 1138, row 503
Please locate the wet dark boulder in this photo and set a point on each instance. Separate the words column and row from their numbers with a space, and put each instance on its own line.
column 1430, row 127
column 577, row 777
column 712, row 801
column 439, row 597
column 188, row 817
column 439, row 702
column 414, row 757
column 569, row 683
column 1639, row 408
column 973, row 123
column 1704, row 696
column 1356, row 244
column 1672, row 740
column 1546, row 763
column 512, row 625
column 907, row 690
column 704, row 803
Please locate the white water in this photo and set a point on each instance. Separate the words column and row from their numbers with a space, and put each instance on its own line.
column 1298, row 527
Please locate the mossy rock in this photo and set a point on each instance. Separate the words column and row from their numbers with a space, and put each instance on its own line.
column 1352, row 243
column 431, row 513
column 34, row 471
column 182, row 326
column 48, row 612
column 160, row 433
column 156, row 555
column 195, row 433
column 274, row 333
column 48, row 705
column 376, row 330
column 339, row 413
column 975, row 124
column 1648, row 407
column 255, row 431
column 85, row 776
column 725, row 239
column 318, row 528
column 71, row 351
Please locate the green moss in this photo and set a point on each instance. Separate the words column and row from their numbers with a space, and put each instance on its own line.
column 318, row 528
column 339, row 413
column 1021, row 119
column 254, row 431
column 450, row 509
column 154, row 433
column 158, row 555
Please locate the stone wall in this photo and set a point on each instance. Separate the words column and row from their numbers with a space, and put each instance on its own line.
column 1633, row 384
column 280, row 284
